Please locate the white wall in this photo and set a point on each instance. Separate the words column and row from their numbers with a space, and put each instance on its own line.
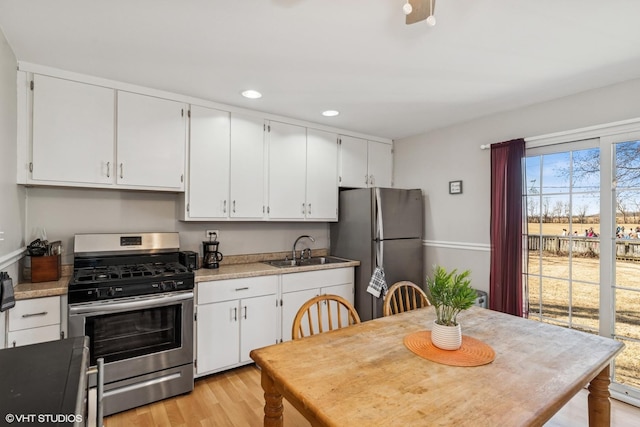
column 12, row 201
column 63, row 212
column 457, row 226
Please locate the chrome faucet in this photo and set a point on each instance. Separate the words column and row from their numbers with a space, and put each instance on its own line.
column 293, row 251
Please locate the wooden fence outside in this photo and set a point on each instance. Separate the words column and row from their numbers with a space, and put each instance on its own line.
column 583, row 246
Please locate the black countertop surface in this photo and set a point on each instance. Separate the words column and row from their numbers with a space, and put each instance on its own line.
column 45, row 383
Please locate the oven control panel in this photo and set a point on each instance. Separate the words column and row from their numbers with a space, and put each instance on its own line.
column 127, row 290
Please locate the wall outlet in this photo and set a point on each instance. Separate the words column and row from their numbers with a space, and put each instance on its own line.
column 215, row 236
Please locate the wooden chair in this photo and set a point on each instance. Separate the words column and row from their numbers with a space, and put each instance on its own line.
column 323, row 313
column 404, row 296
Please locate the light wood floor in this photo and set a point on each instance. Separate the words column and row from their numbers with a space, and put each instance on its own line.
column 234, row 398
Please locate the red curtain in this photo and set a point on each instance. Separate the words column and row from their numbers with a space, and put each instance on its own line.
column 505, row 286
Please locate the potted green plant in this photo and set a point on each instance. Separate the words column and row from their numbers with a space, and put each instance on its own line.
column 450, row 293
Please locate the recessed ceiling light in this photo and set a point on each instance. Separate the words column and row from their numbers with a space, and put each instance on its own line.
column 251, row 94
column 330, row 113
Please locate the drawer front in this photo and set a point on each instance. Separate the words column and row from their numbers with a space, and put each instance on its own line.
column 316, row 279
column 33, row 335
column 234, row 289
column 33, row 313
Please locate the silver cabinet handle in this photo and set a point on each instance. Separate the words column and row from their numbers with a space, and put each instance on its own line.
column 42, row 313
column 303, row 209
column 242, row 289
column 224, row 207
column 234, row 206
column 309, row 209
column 108, row 169
column 121, row 170
column 235, row 314
column 366, row 179
column 245, row 311
column 372, row 180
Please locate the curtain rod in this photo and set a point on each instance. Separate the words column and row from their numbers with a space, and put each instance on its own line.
column 485, row 146
column 580, row 133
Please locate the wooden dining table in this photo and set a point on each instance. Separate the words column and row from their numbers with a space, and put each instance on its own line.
column 364, row 375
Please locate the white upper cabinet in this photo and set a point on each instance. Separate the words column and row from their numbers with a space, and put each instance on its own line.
column 379, row 163
column 150, row 142
column 207, row 193
column 353, row 162
column 287, row 171
column 73, row 132
column 84, row 131
column 365, row 163
column 302, row 173
column 88, row 135
column 247, row 177
column 322, row 175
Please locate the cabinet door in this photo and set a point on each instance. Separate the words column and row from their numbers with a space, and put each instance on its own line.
column 291, row 303
column 151, row 141
column 344, row 290
column 73, row 132
column 33, row 335
column 353, row 162
column 258, row 324
column 34, row 313
column 380, row 164
column 247, row 167
column 322, row 175
column 218, row 337
column 208, row 185
column 287, row 171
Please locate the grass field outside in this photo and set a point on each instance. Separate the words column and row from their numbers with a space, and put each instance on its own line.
column 565, row 291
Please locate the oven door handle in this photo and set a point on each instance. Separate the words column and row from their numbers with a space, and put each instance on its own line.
column 115, row 306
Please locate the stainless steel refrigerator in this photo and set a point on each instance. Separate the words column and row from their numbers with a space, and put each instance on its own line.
column 378, row 223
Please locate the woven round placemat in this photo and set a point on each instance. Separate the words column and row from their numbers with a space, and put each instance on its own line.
column 472, row 352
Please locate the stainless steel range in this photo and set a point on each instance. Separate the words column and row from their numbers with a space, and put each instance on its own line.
column 134, row 300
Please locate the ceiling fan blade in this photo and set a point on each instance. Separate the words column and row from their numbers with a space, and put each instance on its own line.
column 421, row 10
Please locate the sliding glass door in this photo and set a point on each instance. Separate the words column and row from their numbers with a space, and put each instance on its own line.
column 583, row 243
column 626, row 260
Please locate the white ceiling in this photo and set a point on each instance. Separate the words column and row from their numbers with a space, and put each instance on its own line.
column 357, row 56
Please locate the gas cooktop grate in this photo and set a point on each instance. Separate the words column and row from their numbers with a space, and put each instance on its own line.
column 129, row 271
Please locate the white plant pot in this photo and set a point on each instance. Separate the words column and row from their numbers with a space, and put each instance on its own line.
column 446, row 337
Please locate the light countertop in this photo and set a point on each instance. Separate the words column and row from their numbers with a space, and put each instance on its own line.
column 237, row 271
column 240, row 266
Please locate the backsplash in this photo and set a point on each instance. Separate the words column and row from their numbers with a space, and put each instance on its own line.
column 64, row 212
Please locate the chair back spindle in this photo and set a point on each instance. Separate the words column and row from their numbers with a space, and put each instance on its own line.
column 323, row 313
column 404, row 296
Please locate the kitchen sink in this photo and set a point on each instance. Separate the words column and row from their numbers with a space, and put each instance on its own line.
column 309, row 261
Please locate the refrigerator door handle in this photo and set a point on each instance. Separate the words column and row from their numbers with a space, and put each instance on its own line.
column 379, row 230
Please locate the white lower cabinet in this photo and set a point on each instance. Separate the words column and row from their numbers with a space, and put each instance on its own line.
column 234, row 317
column 33, row 321
column 298, row 288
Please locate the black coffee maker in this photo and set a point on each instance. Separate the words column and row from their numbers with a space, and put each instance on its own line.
column 211, row 257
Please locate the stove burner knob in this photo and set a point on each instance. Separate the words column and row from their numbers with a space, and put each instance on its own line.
column 168, row 285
